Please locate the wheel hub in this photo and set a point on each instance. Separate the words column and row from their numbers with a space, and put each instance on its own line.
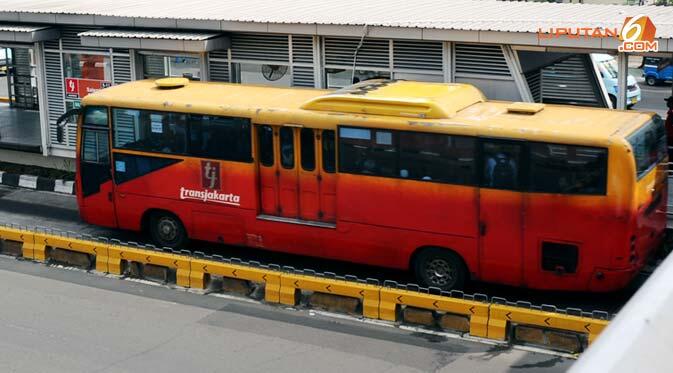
column 440, row 273
column 168, row 229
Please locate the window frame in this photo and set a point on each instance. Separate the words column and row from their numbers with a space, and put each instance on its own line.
column 523, row 166
column 187, row 153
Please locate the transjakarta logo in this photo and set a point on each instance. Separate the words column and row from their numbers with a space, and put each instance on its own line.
column 210, row 196
column 637, row 34
column 210, row 180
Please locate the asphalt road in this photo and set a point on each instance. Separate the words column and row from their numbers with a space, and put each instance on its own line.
column 653, row 97
column 59, row 320
column 56, row 211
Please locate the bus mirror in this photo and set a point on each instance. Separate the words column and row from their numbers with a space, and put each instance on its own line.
column 59, row 134
column 63, row 120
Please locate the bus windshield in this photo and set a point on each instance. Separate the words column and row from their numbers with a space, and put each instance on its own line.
column 649, row 145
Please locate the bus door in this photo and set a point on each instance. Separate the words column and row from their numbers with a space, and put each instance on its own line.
column 501, row 211
column 94, row 175
column 295, row 181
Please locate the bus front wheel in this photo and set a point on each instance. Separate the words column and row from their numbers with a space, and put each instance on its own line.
column 167, row 230
column 440, row 268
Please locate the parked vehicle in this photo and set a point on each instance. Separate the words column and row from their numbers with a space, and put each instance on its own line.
column 657, row 70
column 607, row 66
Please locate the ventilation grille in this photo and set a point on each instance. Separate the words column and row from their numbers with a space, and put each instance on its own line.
column 260, row 47
column 533, row 79
column 302, row 49
column 54, row 78
column 122, row 69
column 418, row 55
column 340, row 52
column 302, row 76
column 481, row 60
column 568, row 82
column 218, row 70
column 218, row 55
column 71, row 41
column 154, row 66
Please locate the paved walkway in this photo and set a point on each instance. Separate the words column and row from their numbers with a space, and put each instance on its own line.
column 19, row 128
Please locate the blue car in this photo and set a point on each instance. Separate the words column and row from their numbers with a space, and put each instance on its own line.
column 657, row 70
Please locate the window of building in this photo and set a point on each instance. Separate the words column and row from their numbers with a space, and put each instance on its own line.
column 150, row 131
column 287, row 147
column 220, row 138
column 307, row 149
column 339, row 78
column 436, row 157
column 95, row 147
column 556, row 168
column 156, row 66
column 266, row 74
column 265, row 139
column 328, row 151
column 87, row 66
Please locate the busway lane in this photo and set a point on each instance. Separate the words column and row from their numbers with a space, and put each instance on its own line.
column 72, row 321
column 56, row 211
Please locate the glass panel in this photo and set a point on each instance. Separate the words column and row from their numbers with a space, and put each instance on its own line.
column 95, row 147
column 87, row 66
column 150, row 131
column 436, row 157
column 287, row 147
column 157, row 66
column 265, row 136
column 307, row 149
column 96, row 116
column 359, row 154
column 339, row 78
column 568, row 169
column 220, row 138
column 328, row 152
column 501, row 165
column 272, row 75
column 649, row 145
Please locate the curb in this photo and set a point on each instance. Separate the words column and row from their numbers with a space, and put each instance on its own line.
column 40, row 183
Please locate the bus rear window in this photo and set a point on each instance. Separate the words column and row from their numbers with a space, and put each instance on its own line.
column 649, row 145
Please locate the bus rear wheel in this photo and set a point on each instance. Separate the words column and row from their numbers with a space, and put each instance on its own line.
column 167, row 230
column 439, row 268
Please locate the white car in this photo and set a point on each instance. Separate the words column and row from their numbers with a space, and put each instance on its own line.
column 607, row 66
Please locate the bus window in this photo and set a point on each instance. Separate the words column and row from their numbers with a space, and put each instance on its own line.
column 265, row 141
column 150, row 131
column 436, row 157
column 649, row 145
column 287, row 147
column 220, row 138
column 556, row 168
column 368, row 151
column 328, row 151
column 95, row 116
column 95, row 147
column 501, row 162
column 307, row 149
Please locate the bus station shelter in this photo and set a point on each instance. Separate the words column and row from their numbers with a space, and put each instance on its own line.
column 77, row 47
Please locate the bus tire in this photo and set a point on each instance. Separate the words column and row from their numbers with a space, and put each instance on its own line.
column 166, row 230
column 439, row 268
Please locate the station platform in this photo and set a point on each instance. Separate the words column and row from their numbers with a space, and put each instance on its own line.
column 19, row 129
column 62, row 320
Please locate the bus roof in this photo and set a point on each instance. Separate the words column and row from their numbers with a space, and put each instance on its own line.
column 438, row 107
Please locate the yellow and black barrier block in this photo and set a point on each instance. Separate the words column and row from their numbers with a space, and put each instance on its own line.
column 568, row 330
column 17, row 241
column 432, row 307
column 203, row 268
column 74, row 249
column 123, row 257
column 335, row 293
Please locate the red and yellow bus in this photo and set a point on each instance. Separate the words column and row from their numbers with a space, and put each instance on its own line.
column 425, row 177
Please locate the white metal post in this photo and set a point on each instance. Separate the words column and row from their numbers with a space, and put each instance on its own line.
column 622, row 76
column 40, row 72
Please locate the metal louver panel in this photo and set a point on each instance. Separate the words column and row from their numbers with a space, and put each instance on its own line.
column 218, row 55
column 260, row 47
column 122, row 69
column 71, row 41
column 481, row 60
column 154, row 66
column 302, row 76
column 533, row 79
column 418, row 55
column 340, row 51
column 218, row 70
column 302, row 49
column 569, row 82
column 54, row 88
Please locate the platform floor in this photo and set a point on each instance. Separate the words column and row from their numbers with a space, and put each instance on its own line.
column 19, row 129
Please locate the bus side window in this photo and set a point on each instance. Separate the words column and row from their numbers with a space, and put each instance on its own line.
column 307, row 149
column 328, row 151
column 287, row 147
column 501, row 165
column 265, row 141
column 95, row 147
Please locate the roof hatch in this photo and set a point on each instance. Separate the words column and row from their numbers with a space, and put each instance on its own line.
column 171, row 83
column 524, row 108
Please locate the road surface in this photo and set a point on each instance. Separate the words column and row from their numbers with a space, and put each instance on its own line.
column 60, row 320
